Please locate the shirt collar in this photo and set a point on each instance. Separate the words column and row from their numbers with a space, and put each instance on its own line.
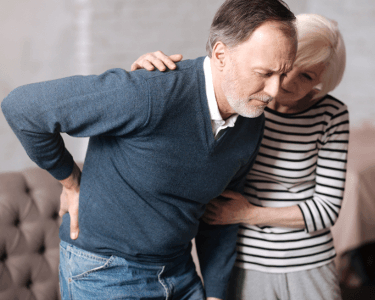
column 212, row 103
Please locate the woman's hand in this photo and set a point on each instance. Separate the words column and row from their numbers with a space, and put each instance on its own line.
column 156, row 59
column 235, row 209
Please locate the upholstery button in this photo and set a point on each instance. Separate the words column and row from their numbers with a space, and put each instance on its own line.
column 3, row 257
column 55, row 215
column 16, row 222
column 28, row 284
column 42, row 249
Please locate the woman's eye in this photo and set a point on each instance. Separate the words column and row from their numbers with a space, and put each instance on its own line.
column 307, row 76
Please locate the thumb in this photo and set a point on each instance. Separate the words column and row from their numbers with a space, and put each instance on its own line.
column 74, row 227
column 134, row 67
column 229, row 194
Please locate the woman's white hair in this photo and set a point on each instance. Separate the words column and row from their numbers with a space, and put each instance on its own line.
column 320, row 42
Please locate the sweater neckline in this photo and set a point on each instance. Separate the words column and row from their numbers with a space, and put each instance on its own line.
column 286, row 115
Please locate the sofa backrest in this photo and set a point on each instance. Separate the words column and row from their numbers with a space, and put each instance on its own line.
column 29, row 235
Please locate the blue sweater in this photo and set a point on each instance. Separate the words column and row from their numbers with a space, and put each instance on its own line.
column 152, row 162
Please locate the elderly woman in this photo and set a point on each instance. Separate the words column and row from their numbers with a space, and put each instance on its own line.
column 294, row 192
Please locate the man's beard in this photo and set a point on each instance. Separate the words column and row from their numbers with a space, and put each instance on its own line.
column 240, row 104
column 243, row 108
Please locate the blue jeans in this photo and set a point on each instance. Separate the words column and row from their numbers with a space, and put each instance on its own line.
column 86, row 275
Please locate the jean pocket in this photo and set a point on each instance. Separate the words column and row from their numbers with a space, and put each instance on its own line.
column 83, row 263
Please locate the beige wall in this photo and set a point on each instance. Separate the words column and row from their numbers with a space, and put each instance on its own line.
column 47, row 39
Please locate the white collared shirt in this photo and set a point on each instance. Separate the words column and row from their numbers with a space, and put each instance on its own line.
column 217, row 121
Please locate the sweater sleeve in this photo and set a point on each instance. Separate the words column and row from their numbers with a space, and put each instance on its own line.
column 323, row 209
column 216, row 244
column 113, row 103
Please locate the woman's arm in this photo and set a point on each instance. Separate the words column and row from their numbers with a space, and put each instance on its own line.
column 317, row 213
column 235, row 208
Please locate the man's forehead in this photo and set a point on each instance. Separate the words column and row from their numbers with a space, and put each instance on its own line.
column 276, row 66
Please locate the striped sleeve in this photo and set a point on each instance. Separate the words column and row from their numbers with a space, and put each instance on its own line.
column 323, row 209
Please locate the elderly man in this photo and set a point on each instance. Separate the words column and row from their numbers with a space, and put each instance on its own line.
column 162, row 145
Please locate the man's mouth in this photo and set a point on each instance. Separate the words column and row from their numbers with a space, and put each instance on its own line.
column 264, row 100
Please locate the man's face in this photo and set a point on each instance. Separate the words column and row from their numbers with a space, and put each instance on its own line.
column 254, row 69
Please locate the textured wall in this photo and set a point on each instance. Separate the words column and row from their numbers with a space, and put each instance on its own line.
column 47, row 39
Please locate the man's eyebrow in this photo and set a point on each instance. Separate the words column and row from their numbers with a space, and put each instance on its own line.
column 268, row 70
column 271, row 70
column 286, row 69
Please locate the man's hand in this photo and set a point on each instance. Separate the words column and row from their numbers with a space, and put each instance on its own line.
column 69, row 200
column 233, row 210
column 156, row 59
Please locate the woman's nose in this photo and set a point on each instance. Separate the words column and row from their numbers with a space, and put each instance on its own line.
column 288, row 82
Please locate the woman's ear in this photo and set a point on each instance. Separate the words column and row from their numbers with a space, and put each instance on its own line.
column 318, row 87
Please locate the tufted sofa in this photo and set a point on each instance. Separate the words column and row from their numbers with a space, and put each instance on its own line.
column 29, row 240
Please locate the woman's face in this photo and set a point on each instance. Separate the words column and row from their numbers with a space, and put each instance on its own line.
column 299, row 82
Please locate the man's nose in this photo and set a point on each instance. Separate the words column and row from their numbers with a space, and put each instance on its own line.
column 272, row 86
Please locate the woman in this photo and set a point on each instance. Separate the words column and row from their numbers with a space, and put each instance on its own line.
column 294, row 192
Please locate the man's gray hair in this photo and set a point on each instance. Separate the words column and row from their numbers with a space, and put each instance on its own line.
column 236, row 20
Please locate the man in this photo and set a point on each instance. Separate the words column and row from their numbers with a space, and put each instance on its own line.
column 162, row 145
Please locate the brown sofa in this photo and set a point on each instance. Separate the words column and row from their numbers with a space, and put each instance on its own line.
column 29, row 240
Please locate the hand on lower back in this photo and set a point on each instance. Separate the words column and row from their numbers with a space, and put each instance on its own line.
column 69, row 200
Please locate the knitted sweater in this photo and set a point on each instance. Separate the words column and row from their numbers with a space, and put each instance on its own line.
column 152, row 162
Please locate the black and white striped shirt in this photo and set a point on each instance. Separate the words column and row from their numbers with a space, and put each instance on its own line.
column 302, row 161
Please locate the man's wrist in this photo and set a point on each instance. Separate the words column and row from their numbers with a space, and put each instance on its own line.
column 74, row 179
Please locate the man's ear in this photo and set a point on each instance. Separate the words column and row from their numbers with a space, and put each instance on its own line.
column 219, row 55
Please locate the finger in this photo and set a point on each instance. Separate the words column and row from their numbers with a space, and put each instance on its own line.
column 63, row 205
column 74, row 228
column 211, row 206
column 229, row 194
column 169, row 61
column 148, row 65
column 215, row 203
column 176, row 57
column 62, row 212
column 166, row 60
column 159, row 63
column 209, row 220
column 209, row 214
column 135, row 66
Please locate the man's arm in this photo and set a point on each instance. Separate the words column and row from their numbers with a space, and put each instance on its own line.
column 216, row 249
column 113, row 104
column 216, row 244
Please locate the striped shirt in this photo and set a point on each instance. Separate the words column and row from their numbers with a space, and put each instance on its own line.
column 302, row 161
